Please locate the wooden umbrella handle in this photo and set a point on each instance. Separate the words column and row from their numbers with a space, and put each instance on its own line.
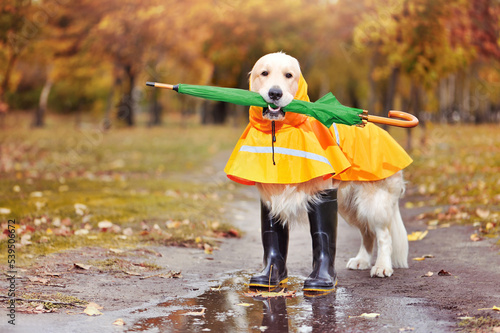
column 161, row 85
column 405, row 119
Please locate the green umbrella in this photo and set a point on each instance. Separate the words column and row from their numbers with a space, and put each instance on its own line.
column 327, row 109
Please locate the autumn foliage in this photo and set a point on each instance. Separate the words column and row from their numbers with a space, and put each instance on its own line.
column 438, row 56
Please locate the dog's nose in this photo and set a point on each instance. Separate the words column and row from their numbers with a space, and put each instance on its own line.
column 275, row 93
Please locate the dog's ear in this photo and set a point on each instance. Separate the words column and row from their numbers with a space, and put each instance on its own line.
column 298, row 64
column 250, row 79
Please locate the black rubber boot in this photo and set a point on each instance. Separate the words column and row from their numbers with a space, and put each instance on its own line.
column 275, row 243
column 323, row 223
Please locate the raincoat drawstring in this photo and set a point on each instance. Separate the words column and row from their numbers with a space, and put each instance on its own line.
column 273, row 130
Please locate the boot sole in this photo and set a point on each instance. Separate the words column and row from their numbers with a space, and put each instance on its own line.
column 262, row 285
column 321, row 289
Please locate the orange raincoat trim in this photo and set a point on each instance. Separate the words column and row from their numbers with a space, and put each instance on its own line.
column 305, row 149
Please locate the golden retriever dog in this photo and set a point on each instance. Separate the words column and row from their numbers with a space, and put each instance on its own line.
column 371, row 206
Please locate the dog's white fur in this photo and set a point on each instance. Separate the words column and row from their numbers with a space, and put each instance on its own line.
column 373, row 207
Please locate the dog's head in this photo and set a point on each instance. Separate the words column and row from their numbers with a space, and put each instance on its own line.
column 275, row 77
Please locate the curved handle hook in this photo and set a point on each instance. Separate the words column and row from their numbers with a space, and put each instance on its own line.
column 405, row 119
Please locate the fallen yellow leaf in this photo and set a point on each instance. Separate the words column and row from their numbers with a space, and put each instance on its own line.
column 366, row 315
column 82, row 266
column 433, row 223
column 422, row 258
column 80, row 209
column 370, row 315
column 245, row 304
column 196, row 313
column 417, row 235
column 208, row 249
column 92, row 309
column 5, row 211
column 119, row 322
column 482, row 213
column 173, row 224
column 475, row 238
column 105, row 224
column 271, row 294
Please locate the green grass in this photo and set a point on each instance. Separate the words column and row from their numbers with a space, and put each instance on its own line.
column 456, row 170
column 134, row 178
column 48, row 299
column 479, row 325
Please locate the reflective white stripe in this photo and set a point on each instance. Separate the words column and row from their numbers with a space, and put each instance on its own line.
column 286, row 151
column 337, row 137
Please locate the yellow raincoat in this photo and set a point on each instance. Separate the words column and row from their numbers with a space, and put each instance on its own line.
column 305, row 149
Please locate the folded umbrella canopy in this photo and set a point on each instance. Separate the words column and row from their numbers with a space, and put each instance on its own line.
column 327, row 109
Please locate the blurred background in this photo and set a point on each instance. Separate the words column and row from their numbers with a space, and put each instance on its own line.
column 438, row 59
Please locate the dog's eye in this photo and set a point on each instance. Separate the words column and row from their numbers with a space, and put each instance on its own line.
column 289, row 75
column 264, row 73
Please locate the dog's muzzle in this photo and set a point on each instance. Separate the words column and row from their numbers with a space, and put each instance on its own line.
column 273, row 113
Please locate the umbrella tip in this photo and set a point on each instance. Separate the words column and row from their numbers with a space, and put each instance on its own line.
column 151, row 84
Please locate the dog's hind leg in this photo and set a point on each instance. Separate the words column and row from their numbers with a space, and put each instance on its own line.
column 383, row 265
column 364, row 256
column 399, row 240
column 370, row 207
column 349, row 206
column 381, row 213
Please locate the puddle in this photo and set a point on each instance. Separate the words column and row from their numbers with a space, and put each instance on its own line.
column 226, row 309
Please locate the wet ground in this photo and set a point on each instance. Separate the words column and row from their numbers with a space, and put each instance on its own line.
column 210, row 297
column 229, row 310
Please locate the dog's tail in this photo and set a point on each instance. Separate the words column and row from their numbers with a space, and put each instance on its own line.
column 399, row 237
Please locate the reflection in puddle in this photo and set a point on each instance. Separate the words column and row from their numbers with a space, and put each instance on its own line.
column 227, row 309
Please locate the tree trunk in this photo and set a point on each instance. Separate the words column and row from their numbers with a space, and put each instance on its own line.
column 372, row 94
column 391, row 91
column 214, row 113
column 39, row 120
column 106, row 123
column 416, row 105
column 155, row 109
column 466, row 96
column 6, row 77
column 127, row 105
column 451, row 97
